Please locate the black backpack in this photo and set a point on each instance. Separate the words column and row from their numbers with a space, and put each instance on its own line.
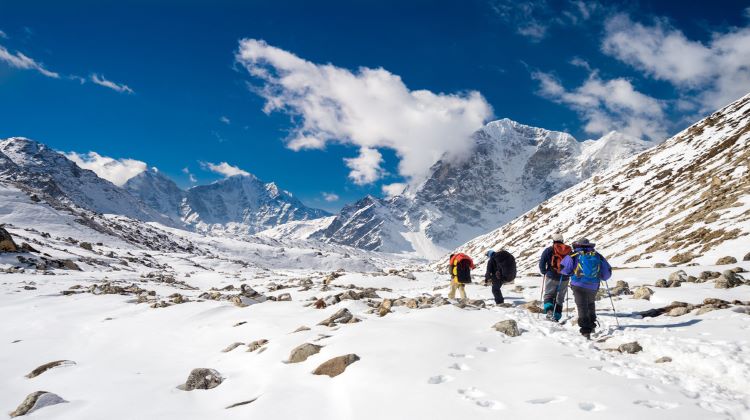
column 463, row 271
column 506, row 266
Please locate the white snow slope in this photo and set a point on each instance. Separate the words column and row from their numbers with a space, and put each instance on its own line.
column 684, row 201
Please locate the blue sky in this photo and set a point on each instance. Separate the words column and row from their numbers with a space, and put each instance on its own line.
column 348, row 97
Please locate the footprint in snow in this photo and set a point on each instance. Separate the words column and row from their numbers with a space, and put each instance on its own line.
column 459, row 366
column 548, row 400
column 661, row 405
column 591, row 406
column 460, row 356
column 439, row 379
column 485, row 349
column 653, row 388
column 476, row 396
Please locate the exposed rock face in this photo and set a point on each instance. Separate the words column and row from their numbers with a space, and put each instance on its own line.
column 302, row 352
column 336, row 366
column 630, row 348
column 35, row 401
column 202, row 378
column 6, row 242
column 508, row 327
column 726, row 260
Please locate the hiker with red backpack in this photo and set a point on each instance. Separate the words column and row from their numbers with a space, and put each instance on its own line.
column 460, row 269
column 587, row 269
column 501, row 268
column 555, row 284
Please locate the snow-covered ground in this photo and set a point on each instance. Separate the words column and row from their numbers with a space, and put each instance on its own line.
column 437, row 362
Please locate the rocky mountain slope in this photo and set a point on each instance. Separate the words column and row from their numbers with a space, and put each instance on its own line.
column 512, row 168
column 685, row 201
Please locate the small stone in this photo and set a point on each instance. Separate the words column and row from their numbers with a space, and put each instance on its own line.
column 664, row 359
column 202, row 378
column 257, row 344
column 630, row 348
column 300, row 329
column 284, row 297
column 231, row 347
column 643, row 292
column 532, row 307
column 678, row 311
column 508, row 327
column 87, row 246
column 47, row 366
column 336, row 366
column 70, row 265
column 385, row 307
column 659, row 265
column 302, row 352
column 726, row 260
column 746, row 257
column 35, row 401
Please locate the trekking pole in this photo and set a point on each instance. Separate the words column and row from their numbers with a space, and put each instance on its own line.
column 567, row 301
column 613, row 304
column 541, row 296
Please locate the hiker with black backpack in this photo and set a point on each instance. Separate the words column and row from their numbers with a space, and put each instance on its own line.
column 555, row 284
column 501, row 268
column 587, row 269
column 460, row 267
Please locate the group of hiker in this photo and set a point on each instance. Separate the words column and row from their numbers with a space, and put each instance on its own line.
column 578, row 267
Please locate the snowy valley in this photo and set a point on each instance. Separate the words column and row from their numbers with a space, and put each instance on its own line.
column 113, row 297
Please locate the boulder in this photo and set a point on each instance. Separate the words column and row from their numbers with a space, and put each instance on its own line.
column 661, row 283
column 343, row 316
column 680, row 311
column 301, row 328
column 508, row 327
column 231, row 347
column 727, row 280
column 284, row 297
column 659, row 265
column 257, row 344
column 706, row 309
column 35, row 401
column 746, row 257
column 643, row 292
column 69, row 265
column 630, row 348
column 87, row 246
column 664, row 359
column 680, row 275
column 6, row 241
column 532, row 307
column 336, row 366
column 302, row 352
column 726, row 260
column 202, row 378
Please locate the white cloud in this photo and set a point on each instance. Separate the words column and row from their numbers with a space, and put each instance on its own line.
column 392, row 190
column 534, row 18
column 607, row 105
column 365, row 168
column 101, row 81
column 116, row 171
column 20, row 61
column 369, row 109
column 713, row 74
column 330, row 197
column 224, row 168
column 225, row 120
column 191, row 177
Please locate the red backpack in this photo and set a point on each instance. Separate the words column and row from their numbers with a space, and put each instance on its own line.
column 559, row 252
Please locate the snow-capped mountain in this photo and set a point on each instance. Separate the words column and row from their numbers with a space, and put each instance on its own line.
column 512, row 168
column 158, row 192
column 243, row 204
column 41, row 168
column 687, row 200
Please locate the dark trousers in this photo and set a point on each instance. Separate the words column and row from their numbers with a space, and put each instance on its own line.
column 586, row 303
column 496, row 291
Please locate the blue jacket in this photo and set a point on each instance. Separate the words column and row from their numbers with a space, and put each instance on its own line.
column 545, row 264
column 570, row 263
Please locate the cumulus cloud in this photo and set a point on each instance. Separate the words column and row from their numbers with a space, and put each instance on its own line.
column 392, row 190
column 101, row 81
column 710, row 74
column 21, row 61
column 368, row 108
column 606, row 105
column 534, row 18
column 116, row 171
column 225, row 120
column 330, row 197
column 224, row 168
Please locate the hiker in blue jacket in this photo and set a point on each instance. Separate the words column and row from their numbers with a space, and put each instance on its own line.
column 587, row 269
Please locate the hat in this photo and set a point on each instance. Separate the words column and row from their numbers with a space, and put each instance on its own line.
column 557, row 238
column 490, row 253
column 583, row 243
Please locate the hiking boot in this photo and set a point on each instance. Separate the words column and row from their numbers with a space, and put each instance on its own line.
column 587, row 335
column 549, row 315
